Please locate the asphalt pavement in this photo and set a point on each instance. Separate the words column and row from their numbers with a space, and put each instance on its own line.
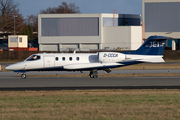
column 72, row 83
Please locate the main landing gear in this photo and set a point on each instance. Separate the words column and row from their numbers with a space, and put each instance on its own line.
column 23, row 76
column 93, row 74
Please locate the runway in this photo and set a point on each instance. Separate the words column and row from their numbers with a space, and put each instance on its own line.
column 9, row 81
column 12, row 74
column 73, row 83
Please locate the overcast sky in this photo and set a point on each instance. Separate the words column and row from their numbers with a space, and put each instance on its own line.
column 28, row 7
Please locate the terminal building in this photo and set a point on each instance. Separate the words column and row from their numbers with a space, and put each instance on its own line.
column 58, row 32
column 161, row 17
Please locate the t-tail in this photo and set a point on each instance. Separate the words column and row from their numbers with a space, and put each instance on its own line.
column 154, row 45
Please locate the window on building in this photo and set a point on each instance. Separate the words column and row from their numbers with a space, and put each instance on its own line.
column 76, row 26
column 20, row 39
column 13, row 39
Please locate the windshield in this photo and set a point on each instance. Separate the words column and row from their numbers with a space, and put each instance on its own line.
column 33, row 57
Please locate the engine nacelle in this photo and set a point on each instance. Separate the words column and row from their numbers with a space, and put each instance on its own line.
column 111, row 57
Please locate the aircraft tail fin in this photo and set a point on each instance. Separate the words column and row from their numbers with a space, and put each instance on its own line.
column 154, row 45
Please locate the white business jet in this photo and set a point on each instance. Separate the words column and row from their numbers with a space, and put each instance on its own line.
column 150, row 51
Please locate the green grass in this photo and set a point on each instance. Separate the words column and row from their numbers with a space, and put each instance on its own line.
column 91, row 104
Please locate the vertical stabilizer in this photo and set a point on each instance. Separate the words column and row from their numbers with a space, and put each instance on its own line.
column 154, row 45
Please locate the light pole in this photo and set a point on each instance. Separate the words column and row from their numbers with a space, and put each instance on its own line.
column 14, row 22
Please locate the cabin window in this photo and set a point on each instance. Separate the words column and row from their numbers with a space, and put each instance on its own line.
column 70, row 58
column 77, row 58
column 63, row 58
column 33, row 57
column 57, row 58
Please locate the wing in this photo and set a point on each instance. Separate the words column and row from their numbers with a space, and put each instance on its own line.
column 90, row 66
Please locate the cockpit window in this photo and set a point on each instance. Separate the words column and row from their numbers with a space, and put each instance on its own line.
column 33, row 57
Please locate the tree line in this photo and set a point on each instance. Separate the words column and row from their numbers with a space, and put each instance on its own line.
column 10, row 12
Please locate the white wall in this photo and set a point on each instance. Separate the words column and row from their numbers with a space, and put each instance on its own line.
column 136, row 37
column 24, row 42
column 18, row 43
column 126, row 37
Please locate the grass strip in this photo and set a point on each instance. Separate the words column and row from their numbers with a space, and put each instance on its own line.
column 90, row 104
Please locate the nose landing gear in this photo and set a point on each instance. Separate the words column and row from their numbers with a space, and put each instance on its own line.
column 93, row 74
column 23, row 76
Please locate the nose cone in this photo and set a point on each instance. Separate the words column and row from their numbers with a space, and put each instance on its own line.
column 9, row 67
column 16, row 66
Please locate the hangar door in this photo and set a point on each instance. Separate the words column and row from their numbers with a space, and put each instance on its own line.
column 49, row 61
column 50, row 48
column 71, row 46
column 89, row 46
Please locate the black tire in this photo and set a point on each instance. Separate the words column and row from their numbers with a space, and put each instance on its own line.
column 95, row 76
column 23, row 76
column 91, row 76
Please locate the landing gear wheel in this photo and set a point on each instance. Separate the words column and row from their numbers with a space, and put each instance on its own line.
column 93, row 74
column 23, row 76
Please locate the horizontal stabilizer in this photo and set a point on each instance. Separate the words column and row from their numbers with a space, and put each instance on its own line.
column 149, row 59
column 152, row 60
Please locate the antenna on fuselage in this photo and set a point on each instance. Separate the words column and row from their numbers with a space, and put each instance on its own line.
column 74, row 52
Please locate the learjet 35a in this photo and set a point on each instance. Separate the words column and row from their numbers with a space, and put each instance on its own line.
column 151, row 51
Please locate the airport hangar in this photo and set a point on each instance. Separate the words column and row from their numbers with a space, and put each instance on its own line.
column 58, row 32
column 162, row 17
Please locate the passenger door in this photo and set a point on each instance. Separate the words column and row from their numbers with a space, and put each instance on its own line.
column 49, row 61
